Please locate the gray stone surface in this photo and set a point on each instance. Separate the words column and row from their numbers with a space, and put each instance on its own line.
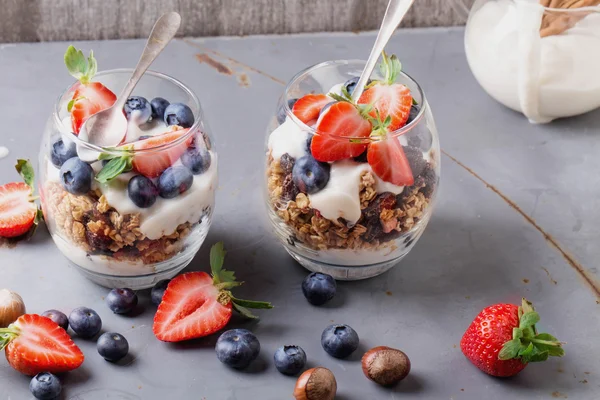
column 477, row 249
column 47, row 20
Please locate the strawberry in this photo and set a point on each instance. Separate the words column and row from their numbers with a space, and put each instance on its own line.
column 196, row 304
column 388, row 161
column 150, row 164
column 18, row 212
column 307, row 108
column 502, row 340
column 89, row 97
column 338, row 134
column 387, row 97
column 35, row 344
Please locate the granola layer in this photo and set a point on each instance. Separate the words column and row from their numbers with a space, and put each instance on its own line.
column 384, row 216
column 89, row 222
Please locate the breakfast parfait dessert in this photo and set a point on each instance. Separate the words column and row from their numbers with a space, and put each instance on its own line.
column 137, row 212
column 350, row 185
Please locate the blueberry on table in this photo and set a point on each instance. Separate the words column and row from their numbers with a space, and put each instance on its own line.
column 281, row 114
column 197, row 160
column 85, row 322
column 158, row 291
column 138, row 109
column 310, row 175
column 179, row 114
column 142, row 191
column 45, row 386
column 61, row 152
column 76, row 176
column 339, row 341
column 318, row 288
column 237, row 348
column 350, row 84
column 159, row 105
column 58, row 317
column 122, row 301
column 289, row 360
column 175, row 181
column 112, row 346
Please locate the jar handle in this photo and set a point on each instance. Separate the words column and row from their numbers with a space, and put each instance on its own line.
column 461, row 8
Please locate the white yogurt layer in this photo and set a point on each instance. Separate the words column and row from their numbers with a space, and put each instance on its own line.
column 545, row 78
column 288, row 138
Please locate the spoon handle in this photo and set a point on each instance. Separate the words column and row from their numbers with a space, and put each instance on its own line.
column 396, row 10
column 163, row 32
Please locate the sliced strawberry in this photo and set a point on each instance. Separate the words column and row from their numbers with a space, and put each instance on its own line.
column 17, row 211
column 394, row 100
column 153, row 163
column 336, row 129
column 35, row 344
column 388, row 161
column 196, row 304
column 308, row 107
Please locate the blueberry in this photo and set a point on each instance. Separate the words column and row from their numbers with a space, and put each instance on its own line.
column 158, row 291
column 85, row 322
column 197, row 160
column 281, row 114
column 310, row 175
column 174, row 181
column 112, row 346
column 362, row 158
column 350, row 84
column 121, row 301
column 76, row 176
column 318, row 288
column 45, row 386
column 326, row 107
column 144, row 137
column 159, row 105
column 309, row 142
column 61, row 152
column 339, row 341
column 138, row 108
column 237, row 348
column 58, row 317
column 414, row 111
column 142, row 191
column 289, row 360
column 179, row 114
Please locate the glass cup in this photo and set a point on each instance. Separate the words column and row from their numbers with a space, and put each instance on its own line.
column 357, row 226
column 101, row 231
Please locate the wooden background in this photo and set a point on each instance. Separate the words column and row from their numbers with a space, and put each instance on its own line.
column 48, row 20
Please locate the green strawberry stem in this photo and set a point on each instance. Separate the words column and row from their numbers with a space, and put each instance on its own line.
column 7, row 335
column 79, row 67
column 25, row 169
column 225, row 280
column 527, row 345
column 390, row 68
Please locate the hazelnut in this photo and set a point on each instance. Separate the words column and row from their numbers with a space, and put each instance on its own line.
column 11, row 307
column 316, row 384
column 385, row 366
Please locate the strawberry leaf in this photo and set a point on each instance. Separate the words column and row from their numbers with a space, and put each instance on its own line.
column 526, row 351
column 538, row 357
column 252, row 304
column 217, row 259
column 25, row 169
column 529, row 319
column 79, row 67
column 114, row 168
column 510, row 350
column 244, row 311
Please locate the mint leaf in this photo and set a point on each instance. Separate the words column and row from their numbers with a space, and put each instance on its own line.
column 114, row 168
column 244, row 311
column 510, row 350
column 25, row 169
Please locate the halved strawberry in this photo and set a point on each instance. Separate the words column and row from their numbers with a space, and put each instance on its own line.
column 307, row 108
column 153, row 163
column 389, row 98
column 388, row 161
column 89, row 97
column 196, row 304
column 337, row 131
column 17, row 211
column 35, row 344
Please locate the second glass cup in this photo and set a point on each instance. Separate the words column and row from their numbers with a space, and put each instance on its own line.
column 357, row 216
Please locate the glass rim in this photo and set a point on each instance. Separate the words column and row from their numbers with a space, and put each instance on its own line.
column 390, row 135
column 563, row 10
column 112, row 150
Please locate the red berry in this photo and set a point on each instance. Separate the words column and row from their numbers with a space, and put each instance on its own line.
column 17, row 211
column 388, row 161
column 307, row 108
column 392, row 100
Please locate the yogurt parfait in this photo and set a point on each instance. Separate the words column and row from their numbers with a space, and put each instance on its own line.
column 131, row 214
column 350, row 185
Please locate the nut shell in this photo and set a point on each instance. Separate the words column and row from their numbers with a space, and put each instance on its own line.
column 11, row 307
column 316, row 384
column 385, row 365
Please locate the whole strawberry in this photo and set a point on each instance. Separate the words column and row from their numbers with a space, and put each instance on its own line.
column 502, row 340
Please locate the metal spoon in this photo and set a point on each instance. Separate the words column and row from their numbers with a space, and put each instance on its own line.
column 109, row 127
column 395, row 12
